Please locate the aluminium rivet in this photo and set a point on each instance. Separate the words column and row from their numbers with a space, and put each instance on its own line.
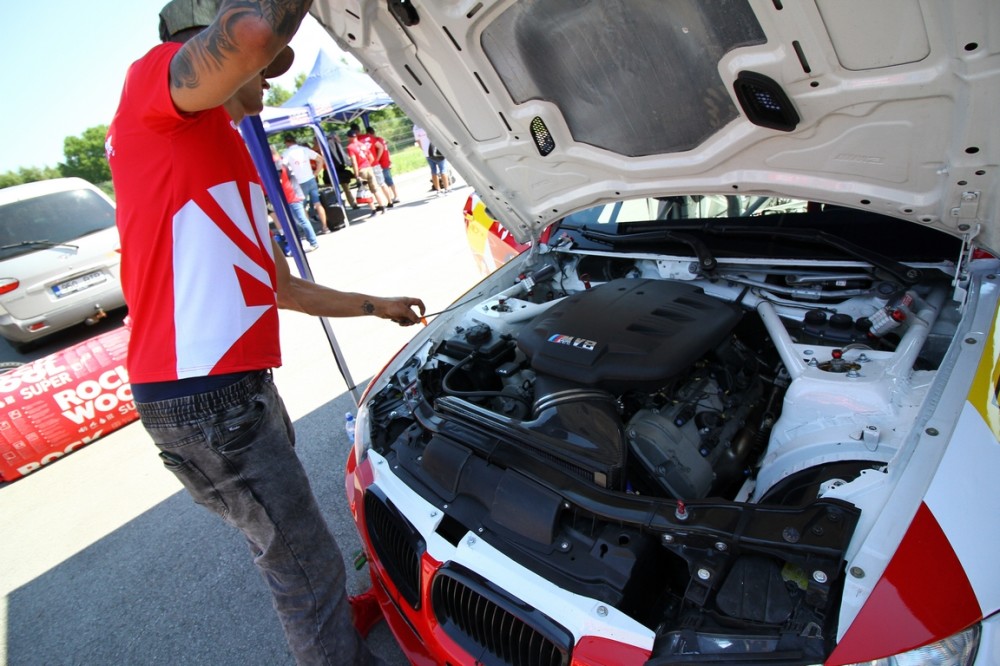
column 434, row 514
column 721, row 546
column 704, row 574
column 933, row 432
column 471, row 541
column 819, row 576
column 480, row 530
column 970, row 341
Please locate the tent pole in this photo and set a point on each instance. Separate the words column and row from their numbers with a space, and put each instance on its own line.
column 253, row 133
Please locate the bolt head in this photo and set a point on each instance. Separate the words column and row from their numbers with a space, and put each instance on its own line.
column 704, row 574
column 819, row 576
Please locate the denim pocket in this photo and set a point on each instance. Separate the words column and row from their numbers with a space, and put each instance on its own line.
column 194, row 480
column 236, row 429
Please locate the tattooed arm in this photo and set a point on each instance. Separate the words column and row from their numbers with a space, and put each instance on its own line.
column 216, row 63
column 305, row 296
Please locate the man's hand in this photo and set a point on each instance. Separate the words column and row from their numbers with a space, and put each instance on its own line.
column 398, row 309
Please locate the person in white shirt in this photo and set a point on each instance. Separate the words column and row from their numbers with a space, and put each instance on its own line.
column 300, row 160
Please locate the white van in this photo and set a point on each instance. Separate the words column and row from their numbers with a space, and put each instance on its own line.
column 59, row 258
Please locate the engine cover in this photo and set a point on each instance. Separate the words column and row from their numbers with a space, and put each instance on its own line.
column 627, row 334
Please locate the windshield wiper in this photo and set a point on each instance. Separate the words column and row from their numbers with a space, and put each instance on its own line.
column 42, row 242
column 706, row 261
column 903, row 273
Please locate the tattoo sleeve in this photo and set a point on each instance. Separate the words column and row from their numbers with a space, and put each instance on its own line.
column 210, row 49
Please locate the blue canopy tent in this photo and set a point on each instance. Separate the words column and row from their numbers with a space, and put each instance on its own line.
column 330, row 91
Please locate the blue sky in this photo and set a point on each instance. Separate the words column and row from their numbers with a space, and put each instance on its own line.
column 64, row 64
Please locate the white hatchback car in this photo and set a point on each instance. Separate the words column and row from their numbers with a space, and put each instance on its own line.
column 59, row 258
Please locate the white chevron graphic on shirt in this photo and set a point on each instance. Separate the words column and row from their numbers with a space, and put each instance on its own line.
column 210, row 311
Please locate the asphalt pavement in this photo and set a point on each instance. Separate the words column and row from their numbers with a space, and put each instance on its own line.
column 104, row 559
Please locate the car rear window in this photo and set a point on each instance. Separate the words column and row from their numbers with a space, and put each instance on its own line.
column 60, row 217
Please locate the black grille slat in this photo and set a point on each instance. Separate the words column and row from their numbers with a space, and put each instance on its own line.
column 397, row 544
column 493, row 627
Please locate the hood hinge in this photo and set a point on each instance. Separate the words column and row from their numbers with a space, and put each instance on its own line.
column 967, row 208
column 960, row 280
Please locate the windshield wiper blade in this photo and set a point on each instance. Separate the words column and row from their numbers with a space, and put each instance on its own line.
column 907, row 275
column 706, row 261
column 43, row 242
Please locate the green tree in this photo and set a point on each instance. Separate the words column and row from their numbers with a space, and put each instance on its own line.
column 85, row 156
column 277, row 95
column 27, row 175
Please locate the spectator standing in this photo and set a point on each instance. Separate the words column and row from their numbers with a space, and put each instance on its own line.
column 299, row 160
column 435, row 160
column 342, row 168
column 203, row 282
column 383, row 164
column 294, row 197
column 361, row 162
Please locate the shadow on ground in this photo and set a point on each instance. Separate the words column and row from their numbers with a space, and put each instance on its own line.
column 177, row 586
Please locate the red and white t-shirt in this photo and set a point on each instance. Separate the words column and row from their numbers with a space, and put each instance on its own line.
column 197, row 265
column 358, row 149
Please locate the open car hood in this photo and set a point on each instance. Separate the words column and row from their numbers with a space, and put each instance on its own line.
column 550, row 106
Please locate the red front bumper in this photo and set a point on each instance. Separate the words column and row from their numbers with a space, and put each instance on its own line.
column 418, row 632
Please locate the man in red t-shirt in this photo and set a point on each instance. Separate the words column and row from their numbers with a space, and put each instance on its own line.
column 361, row 162
column 203, row 286
column 383, row 165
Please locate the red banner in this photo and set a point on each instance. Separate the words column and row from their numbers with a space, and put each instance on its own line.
column 59, row 403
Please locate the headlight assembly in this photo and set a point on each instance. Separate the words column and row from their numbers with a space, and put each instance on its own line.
column 956, row 650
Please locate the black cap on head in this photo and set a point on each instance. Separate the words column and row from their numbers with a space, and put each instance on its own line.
column 180, row 16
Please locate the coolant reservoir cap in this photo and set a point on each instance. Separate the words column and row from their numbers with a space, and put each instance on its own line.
column 478, row 335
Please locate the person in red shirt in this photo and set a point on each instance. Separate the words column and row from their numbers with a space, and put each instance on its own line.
column 203, row 286
column 383, row 165
column 361, row 162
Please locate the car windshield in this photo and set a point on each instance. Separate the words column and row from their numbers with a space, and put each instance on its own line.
column 53, row 219
column 714, row 227
column 696, row 207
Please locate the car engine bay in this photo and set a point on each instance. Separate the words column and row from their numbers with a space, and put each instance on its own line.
column 676, row 442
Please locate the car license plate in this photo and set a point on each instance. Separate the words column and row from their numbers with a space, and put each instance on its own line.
column 79, row 283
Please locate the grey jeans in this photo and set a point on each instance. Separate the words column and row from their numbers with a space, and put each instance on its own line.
column 232, row 448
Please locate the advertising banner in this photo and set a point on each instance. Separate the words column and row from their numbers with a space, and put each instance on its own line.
column 59, row 403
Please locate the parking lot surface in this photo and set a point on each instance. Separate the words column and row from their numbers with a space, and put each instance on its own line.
column 106, row 560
